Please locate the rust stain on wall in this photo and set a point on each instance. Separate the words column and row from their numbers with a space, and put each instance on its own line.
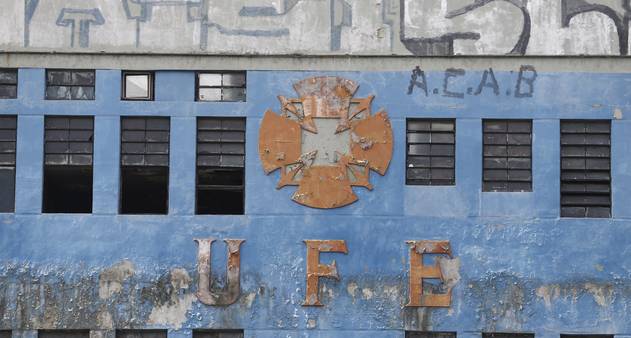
column 419, row 271
column 315, row 269
column 231, row 292
column 325, row 186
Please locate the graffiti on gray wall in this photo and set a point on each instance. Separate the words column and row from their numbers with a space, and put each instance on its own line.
column 79, row 21
column 456, row 84
column 384, row 27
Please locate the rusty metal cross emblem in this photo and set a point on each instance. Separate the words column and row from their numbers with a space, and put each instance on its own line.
column 325, row 142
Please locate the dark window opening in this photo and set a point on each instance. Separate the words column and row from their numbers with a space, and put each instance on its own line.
column 220, row 166
column 70, row 84
column 5, row 334
column 137, row 86
column 221, row 86
column 586, row 169
column 423, row 334
column 8, row 137
column 431, row 152
column 507, row 155
column 63, row 334
column 68, row 154
column 144, row 165
column 141, row 333
column 218, row 334
column 587, row 336
column 507, row 335
column 8, row 83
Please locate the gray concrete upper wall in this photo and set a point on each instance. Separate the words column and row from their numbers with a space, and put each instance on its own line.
column 318, row 27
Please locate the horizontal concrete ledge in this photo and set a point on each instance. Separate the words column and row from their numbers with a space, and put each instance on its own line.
column 595, row 64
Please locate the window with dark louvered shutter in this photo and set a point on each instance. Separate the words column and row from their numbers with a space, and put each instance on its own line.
column 218, row 334
column 431, row 152
column 220, row 165
column 507, row 335
column 429, row 334
column 585, row 169
column 144, row 165
column 141, row 333
column 68, row 157
column 507, row 158
column 8, row 138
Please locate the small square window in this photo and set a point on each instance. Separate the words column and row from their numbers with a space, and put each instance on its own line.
column 138, row 86
column 70, row 84
column 221, row 86
column 8, row 83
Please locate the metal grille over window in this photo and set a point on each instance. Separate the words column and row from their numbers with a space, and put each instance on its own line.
column 419, row 334
column 70, row 84
column 68, row 143
column 8, row 83
column 585, row 169
column 431, row 149
column 8, row 135
column 144, row 165
column 218, row 334
column 220, row 165
column 507, row 155
column 507, row 335
column 227, row 86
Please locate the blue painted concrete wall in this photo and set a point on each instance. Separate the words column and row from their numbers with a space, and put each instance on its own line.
column 522, row 268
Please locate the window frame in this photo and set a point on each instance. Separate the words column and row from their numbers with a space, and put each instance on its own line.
column 151, row 84
column 228, row 187
column 71, row 70
column 16, row 84
column 80, row 167
column 14, row 166
column 408, row 182
column 122, row 166
column 221, row 73
column 561, row 170
column 507, row 157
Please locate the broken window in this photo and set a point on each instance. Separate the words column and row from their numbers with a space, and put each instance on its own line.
column 141, row 333
column 218, row 334
column 221, row 86
column 8, row 83
column 585, row 169
column 138, row 86
column 431, row 152
column 507, row 335
column 63, row 334
column 68, row 158
column 70, row 84
column 507, row 155
column 8, row 136
column 144, row 165
column 220, row 165
column 422, row 334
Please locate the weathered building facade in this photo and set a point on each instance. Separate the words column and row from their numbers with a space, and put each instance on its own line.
column 194, row 167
